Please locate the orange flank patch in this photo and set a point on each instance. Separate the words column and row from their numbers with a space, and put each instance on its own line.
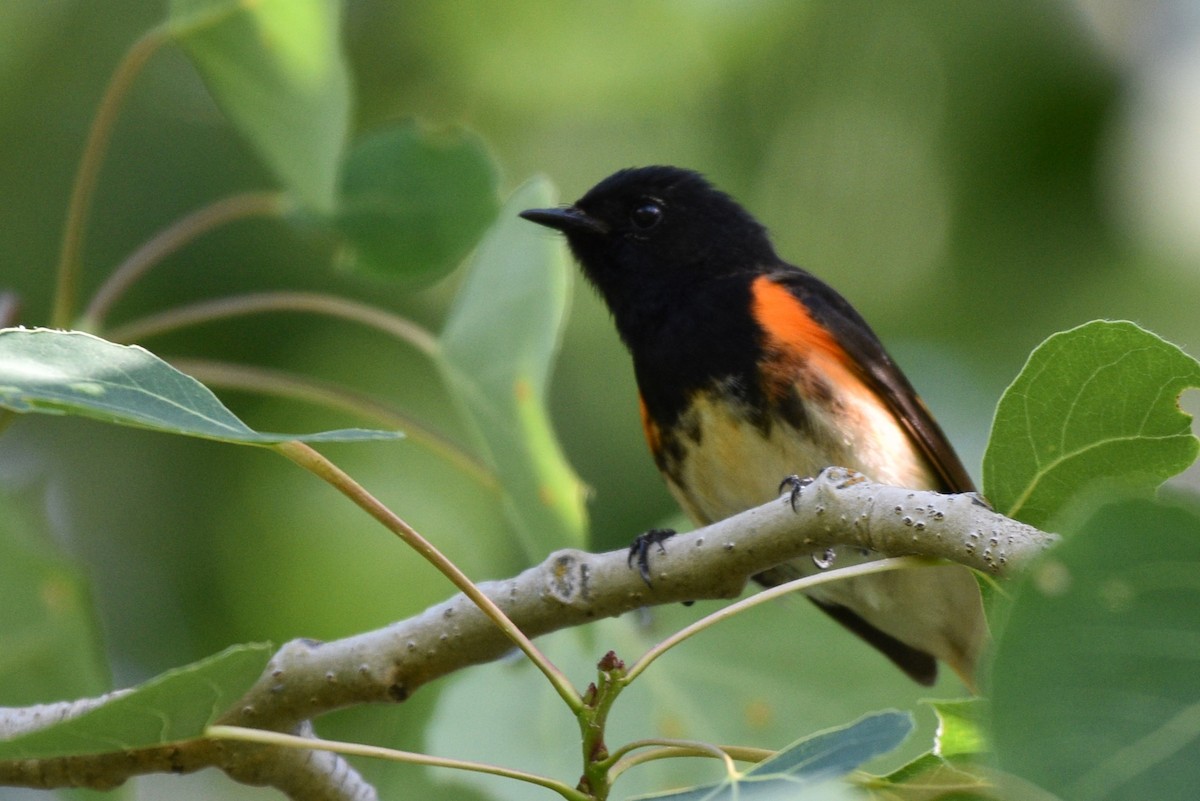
column 653, row 436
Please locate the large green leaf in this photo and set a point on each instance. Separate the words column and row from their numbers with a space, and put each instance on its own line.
column 178, row 705
column 1096, row 403
column 415, row 201
column 276, row 68
column 1094, row 685
column 71, row 372
column 497, row 348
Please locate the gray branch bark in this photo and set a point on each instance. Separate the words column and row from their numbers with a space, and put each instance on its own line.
column 306, row 678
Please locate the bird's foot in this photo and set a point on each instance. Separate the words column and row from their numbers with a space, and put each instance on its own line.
column 795, row 486
column 639, row 549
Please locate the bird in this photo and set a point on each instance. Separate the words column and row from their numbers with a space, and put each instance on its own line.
column 750, row 370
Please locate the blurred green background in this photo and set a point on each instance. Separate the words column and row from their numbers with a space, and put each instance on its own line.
column 972, row 176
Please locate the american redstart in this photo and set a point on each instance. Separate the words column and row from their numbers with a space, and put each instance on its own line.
column 750, row 370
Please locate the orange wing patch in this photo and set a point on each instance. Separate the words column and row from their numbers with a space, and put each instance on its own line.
column 789, row 324
column 796, row 344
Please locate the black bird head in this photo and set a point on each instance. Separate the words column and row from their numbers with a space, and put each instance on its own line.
column 644, row 234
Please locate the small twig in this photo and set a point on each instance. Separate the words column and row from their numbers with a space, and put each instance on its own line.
column 391, row 754
column 207, row 311
column 280, row 383
column 656, row 749
column 665, row 748
column 770, row 594
column 174, row 237
column 69, row 261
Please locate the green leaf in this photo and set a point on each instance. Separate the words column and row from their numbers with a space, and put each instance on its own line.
column 947, row 772
column 415, row 201
column 838, row 751
column 498, row 346
column 960, row 730
column 71, row 372
column 931, row 778
column 49, row 643
column 1096, row 403
column 808, row 763
column 276, row 69
column 178, row 705
column 1094, row 684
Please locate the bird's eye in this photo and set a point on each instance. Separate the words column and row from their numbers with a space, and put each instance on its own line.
column 646, row 215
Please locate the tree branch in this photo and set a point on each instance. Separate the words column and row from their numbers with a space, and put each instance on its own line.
column 306, row 678
column 300, row 774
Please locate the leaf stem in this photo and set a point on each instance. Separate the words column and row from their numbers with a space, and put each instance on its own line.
column 392, row 324
column 761, row 597
column 663, row 748
column 281, row 383
column 740, row 753
column 70, row 256
column 378, row 752
column 315, row 463
column 174, row 237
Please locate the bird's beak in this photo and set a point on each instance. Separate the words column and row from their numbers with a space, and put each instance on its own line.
column 568, row 220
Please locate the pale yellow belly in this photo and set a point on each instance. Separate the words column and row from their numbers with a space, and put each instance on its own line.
column 735, row 466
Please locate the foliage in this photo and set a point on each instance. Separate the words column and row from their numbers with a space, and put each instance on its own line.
column 178, row 705
column 1094, row 403
column 71, row 372
column 276, row 69
column 1093, row 692
column 1089, row 692
column 806, row 768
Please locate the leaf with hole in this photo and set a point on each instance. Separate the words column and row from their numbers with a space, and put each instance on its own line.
column 1096, row 404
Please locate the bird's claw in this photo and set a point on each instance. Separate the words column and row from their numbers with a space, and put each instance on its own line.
column 639, row 549
column 795, row 485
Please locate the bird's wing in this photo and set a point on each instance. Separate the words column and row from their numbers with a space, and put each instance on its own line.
column 875, row 367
